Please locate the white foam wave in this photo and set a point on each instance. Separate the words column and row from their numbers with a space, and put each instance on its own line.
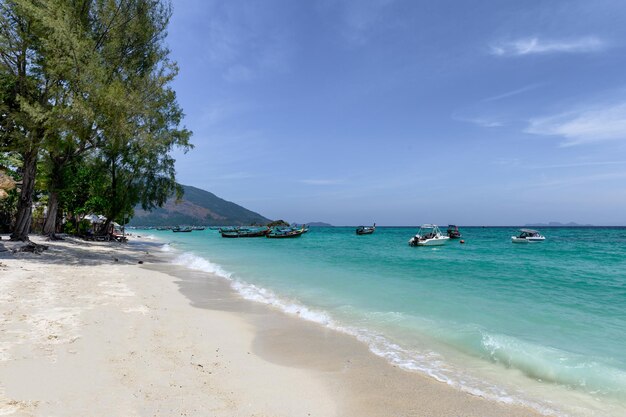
column 192, row 261
column 429, row 363
column 262, row 295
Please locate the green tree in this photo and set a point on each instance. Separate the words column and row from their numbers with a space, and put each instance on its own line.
column 38, row 56
column 139, row 132
column 89, row 77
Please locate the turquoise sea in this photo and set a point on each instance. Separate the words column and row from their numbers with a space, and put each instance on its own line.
column 538, row 324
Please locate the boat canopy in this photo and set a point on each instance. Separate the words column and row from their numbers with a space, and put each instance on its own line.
column 528, row 231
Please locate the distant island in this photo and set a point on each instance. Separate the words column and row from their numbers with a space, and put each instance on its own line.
column 198, row 208
column 557, row 224
column 319, row 224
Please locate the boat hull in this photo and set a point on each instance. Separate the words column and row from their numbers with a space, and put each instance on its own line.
column 232, row 235
column 442, row 240
column 516, row 239
column 433, row 242
column 285, row 236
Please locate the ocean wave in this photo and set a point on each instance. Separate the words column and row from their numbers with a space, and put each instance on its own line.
column 548, row 364
column 497, row 348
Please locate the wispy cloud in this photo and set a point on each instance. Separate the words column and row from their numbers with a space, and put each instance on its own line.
column 511, row 93
column 238, row 72
column 534, row 45
column 507, row 162
column 313, row 181
column 574, row 181
column 600, row 123
column 218, row 110
column 578, row 164
column 243, row 43
column 360, row 19
column 478, row 121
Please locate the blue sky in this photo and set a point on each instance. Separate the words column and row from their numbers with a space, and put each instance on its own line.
column 405, row 112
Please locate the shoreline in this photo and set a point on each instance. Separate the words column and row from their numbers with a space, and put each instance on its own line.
column 313, row 370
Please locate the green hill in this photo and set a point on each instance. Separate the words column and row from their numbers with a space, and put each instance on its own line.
column 197, row 207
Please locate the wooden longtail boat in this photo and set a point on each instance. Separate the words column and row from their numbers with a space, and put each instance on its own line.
column 245, row 233
column 453, row 232
column 286, row 233
column 365, row 230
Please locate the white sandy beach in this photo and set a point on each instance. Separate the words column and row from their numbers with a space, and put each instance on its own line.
column 87, row 331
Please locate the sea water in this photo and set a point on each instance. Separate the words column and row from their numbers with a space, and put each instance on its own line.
column 541, row 324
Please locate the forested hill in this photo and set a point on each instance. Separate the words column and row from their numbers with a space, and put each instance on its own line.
column 197, row 207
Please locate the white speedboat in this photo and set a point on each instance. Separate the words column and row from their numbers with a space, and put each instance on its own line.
column 528, row 236
column 429, row 235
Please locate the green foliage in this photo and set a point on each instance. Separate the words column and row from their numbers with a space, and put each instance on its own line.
column 85, row 86
column 80, row 228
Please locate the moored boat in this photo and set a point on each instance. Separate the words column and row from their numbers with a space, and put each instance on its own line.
column 528, row 236
column 428, row 235
column 182, row 229
column 365, row 230
column 286, row 233
column 453, row 232
column 245, row 232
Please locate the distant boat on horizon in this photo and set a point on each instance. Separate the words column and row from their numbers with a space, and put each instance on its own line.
column 528, row 236
column 453, row 232
column 245, row 232
column 365, row 230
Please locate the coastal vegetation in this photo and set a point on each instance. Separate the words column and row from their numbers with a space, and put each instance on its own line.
column 88, row 118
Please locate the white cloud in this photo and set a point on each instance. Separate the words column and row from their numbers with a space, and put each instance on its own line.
column 534, row 45
column 601, row 123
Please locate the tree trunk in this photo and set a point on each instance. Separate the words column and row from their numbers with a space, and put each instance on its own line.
column 59, row 226
column 55, row 184
column 25, row 205
column 112, row 211
column 50, row 226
